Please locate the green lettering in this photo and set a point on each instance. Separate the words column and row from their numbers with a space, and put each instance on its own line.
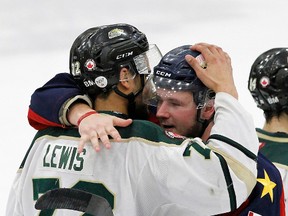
column 81, row 160
column 205, row 152
column 45, row 164
column 72, row 158
column 65, row 154
column 54, row 155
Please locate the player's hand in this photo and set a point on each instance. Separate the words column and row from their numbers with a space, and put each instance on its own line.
column 99, row 127
column 218, row 72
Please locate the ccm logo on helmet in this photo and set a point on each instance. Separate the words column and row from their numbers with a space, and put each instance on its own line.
column 163, row 74
column 124, row 55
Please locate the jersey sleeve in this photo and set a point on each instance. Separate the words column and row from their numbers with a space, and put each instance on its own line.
column 49, row 104
column 234, row 139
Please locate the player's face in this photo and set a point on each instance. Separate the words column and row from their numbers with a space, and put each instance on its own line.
column 177, row 113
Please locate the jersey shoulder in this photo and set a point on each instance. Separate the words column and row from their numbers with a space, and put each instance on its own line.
column 151, row 132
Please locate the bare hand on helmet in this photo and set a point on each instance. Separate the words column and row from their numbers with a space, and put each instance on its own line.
column 218, row 73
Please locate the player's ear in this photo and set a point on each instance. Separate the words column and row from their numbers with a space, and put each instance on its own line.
column 126, row 80
column 208, row 110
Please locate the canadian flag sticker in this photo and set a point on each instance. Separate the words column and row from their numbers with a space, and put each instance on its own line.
column 264, row 81
column 90, row 64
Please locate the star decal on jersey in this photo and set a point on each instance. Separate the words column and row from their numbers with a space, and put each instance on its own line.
column 268, row 185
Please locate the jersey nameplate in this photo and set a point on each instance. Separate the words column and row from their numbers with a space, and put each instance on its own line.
column 65, row 158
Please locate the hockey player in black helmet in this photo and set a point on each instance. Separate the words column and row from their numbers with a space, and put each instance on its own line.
column 268, row 85
column 99, row 54
column 172, row 75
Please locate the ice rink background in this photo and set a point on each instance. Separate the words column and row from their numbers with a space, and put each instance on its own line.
column 36, row 37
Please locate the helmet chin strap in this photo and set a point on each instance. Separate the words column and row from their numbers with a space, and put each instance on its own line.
column 131, row 98
column 131, row 101
column 204, row 122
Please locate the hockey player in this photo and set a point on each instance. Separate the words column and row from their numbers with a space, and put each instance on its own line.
column 269, row 88
column 175, row 100
column 146, row 173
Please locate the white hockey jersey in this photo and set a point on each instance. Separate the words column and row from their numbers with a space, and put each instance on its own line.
column 148, row 173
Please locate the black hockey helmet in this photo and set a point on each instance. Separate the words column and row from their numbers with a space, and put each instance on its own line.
column 173, row 74
column 97, row 55
column 268, row 80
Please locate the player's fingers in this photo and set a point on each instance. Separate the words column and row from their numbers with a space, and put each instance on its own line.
column 194, row 64
column 114, row 134
column 83, row 140
column 103, row 136
column 228, row 58
column 210, row 52
column 109, row 131
column 199, row 70
column 95, row 143
column 121, row 122
column 80, row 147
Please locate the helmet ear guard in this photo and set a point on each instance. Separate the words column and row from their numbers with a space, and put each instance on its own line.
column 282, row 78
column 204, row 99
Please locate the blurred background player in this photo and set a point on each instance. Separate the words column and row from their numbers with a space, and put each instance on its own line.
column 268, row 84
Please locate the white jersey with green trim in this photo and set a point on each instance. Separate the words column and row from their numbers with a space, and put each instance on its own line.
column 147, row 173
